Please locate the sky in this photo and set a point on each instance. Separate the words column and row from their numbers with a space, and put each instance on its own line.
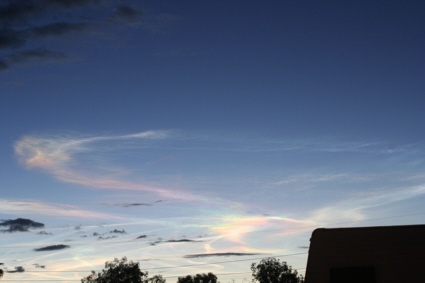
column 202, row 136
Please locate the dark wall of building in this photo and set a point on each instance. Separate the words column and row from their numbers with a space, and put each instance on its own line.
column 367, row 255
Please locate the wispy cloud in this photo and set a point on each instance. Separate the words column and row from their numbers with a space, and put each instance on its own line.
column 63, row 157
column 56, row 155
column 51, row 152
column 13, row 207
column 322, row 178
column 356, row 208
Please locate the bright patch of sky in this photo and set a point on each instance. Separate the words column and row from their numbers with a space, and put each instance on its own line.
column 197, row 136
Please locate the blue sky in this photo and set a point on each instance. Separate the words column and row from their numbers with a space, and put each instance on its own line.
column 211, row 128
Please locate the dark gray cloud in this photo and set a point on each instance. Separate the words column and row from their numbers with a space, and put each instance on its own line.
column 127, row 204
column 15, row 228
column 39, row 265
column 135, row 204
column 44, row 233
column 10, row 38
column 20, row 225
column 159, row 241
column 20, row 24
column 17, row 270
column 181, row 241
column 118, row 231
column 52, row 248
column 21, row 13
column 22, row 221
column 106, row 238
column 141, row 237
column 218, row 254
column 12, row 12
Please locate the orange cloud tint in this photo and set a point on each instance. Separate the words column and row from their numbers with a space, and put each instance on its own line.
column 234, row 228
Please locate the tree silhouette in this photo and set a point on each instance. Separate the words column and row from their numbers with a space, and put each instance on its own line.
column 1, row 273
column 119, row 271
column 198, row 278
column 157, row 279
column 271, row 270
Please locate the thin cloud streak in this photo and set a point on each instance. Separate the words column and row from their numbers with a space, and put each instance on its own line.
column 317, row 178
column 355, row 209
column 33, row 207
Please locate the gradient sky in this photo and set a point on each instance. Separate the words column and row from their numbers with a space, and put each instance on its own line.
column 230, row 129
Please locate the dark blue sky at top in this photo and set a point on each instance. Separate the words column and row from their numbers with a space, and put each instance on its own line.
column 282, row 68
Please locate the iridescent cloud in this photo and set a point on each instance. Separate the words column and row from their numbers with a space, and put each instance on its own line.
column 235, row 228
column 57, row 156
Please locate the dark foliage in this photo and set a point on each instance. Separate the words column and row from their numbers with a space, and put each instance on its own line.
column 157, row 279
column 120, row 271
column 198, row 278
column 271, row 270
